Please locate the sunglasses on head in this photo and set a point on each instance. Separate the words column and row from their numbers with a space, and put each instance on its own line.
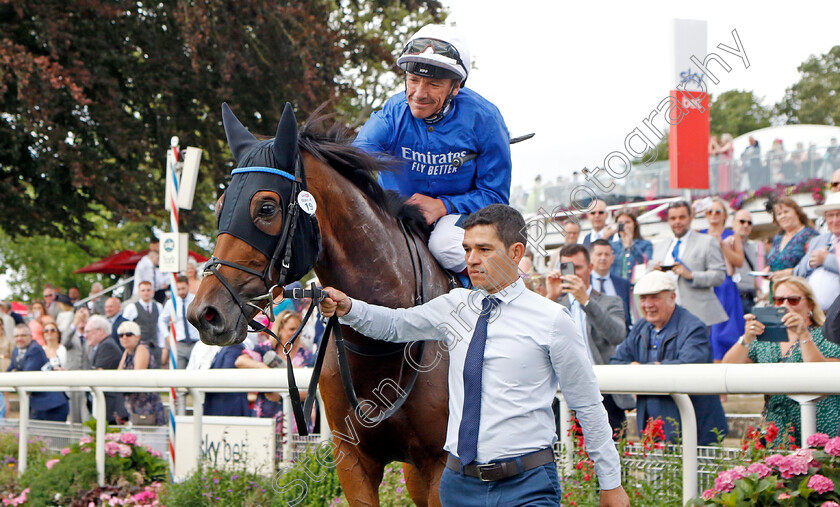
column 746, row 222
column 120, row 335
column 779, row 301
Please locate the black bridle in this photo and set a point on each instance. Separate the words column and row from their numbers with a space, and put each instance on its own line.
column 282, row 249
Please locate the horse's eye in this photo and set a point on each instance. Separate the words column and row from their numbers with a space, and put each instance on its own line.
column 267, row 209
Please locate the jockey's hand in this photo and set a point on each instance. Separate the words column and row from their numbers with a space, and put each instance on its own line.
column 431, row 208
column 335, row 303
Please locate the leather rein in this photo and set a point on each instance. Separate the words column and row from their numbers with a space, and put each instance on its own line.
column 302, row 411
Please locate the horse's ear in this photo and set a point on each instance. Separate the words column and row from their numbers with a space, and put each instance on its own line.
column 285, row 142
column 239, row 138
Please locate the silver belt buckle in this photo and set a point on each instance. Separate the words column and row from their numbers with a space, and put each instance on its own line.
column 481, row 468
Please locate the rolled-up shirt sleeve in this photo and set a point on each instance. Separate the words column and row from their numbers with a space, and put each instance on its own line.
column 580, row 389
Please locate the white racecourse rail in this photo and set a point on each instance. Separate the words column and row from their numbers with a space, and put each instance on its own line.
column 805, row 382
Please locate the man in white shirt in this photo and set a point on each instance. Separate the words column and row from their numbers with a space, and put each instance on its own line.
column 185, row 334
column 598, row 220
column 820, row 263
column 504, row 370
column 147, row 271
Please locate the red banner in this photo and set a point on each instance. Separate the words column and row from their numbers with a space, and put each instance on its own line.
column 688, row 139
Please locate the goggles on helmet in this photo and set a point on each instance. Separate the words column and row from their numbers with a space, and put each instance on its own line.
column 438, row 47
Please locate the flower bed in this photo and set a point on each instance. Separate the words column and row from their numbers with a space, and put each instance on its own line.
column 806, row 477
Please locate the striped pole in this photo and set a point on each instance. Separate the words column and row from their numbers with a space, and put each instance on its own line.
column 171, row 158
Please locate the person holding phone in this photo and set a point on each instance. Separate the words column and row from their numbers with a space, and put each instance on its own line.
column 805, row 343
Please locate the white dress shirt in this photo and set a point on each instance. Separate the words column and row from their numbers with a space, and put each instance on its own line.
column 165, row 316
column 824, row 282
column 532, row 346
column 609, row 288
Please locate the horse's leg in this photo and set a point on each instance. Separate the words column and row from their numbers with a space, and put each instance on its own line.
column 359, row 474
column 417, row 484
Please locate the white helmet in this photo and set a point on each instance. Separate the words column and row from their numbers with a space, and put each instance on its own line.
column 436, row 51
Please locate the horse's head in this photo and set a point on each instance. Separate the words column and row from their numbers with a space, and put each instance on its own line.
column 268, row 234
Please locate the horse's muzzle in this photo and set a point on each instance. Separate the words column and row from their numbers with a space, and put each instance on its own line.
column 214, row 328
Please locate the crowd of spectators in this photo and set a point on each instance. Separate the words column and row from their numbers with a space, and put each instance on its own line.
column 59, row 332
column 692, row 296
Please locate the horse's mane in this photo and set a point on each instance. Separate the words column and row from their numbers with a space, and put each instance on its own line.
column 333, row 147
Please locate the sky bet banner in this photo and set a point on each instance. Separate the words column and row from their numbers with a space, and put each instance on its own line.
column 689, row 134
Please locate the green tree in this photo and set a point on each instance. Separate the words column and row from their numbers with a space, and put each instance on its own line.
column 737, row 112
column 814, row 99
column 92, row 92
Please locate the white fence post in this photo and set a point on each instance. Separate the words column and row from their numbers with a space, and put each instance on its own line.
column 688, row 427
column 566, row 438
column 808, row 415
column 23, row 429
column 198, row 415
column 101, row 420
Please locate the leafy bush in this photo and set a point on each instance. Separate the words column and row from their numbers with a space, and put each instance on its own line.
column 37, row 453
column 132, row 473
column 210, row 487
column 805, row 478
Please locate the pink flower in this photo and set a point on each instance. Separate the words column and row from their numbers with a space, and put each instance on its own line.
column 794, row 465
column 709, row 494
column 774, row 460
column 112, row 437
column 156, row 454
column 817, row 440
column 65, row 451
column 820, row 483
column 833, row 446
column 725, row 481
column 18, row 500
column 128, row 438
column 783, row 496
column 51, row 463
column 85, row 449
column 830, row 504
column 124, row 450
column 87, row 440
column 759, row 468
column 112, row 448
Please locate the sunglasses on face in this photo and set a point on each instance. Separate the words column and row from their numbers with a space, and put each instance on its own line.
column 748, row 222
column 129, row 335
column 779, row 301
column 835, row 183
column 715, row 212
column 597, row 212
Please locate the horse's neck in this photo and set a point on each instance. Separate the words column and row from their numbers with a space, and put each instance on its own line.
column 365, row 253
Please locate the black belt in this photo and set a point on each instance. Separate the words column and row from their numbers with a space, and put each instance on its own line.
column 499, row 470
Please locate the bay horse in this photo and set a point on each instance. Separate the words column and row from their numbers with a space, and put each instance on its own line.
column 364, row 253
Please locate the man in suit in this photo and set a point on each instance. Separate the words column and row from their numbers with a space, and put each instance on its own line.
column 604, row 282
column 28, row 355
column 695, row 262
column 571, row 236
column 669, row 334
column 819, row 265
column 146, row 313
column 113, row 311
column 105, row 355
column 598, row 220
column 600, row 318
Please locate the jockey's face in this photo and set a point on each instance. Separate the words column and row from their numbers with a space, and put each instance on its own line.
column 490, row 265
column 426, row 95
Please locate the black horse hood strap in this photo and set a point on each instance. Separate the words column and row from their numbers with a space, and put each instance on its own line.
column 274, row 165
column 235, row 219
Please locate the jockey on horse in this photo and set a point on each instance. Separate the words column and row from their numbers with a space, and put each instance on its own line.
column 434, row 123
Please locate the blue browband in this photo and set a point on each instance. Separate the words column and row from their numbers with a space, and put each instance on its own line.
column 258, row 169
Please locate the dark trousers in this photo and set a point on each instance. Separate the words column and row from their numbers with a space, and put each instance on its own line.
column 58, row 413
column 616, row 416
column 536, row 487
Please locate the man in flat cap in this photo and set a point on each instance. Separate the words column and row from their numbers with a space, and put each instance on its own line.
column 669, row 334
